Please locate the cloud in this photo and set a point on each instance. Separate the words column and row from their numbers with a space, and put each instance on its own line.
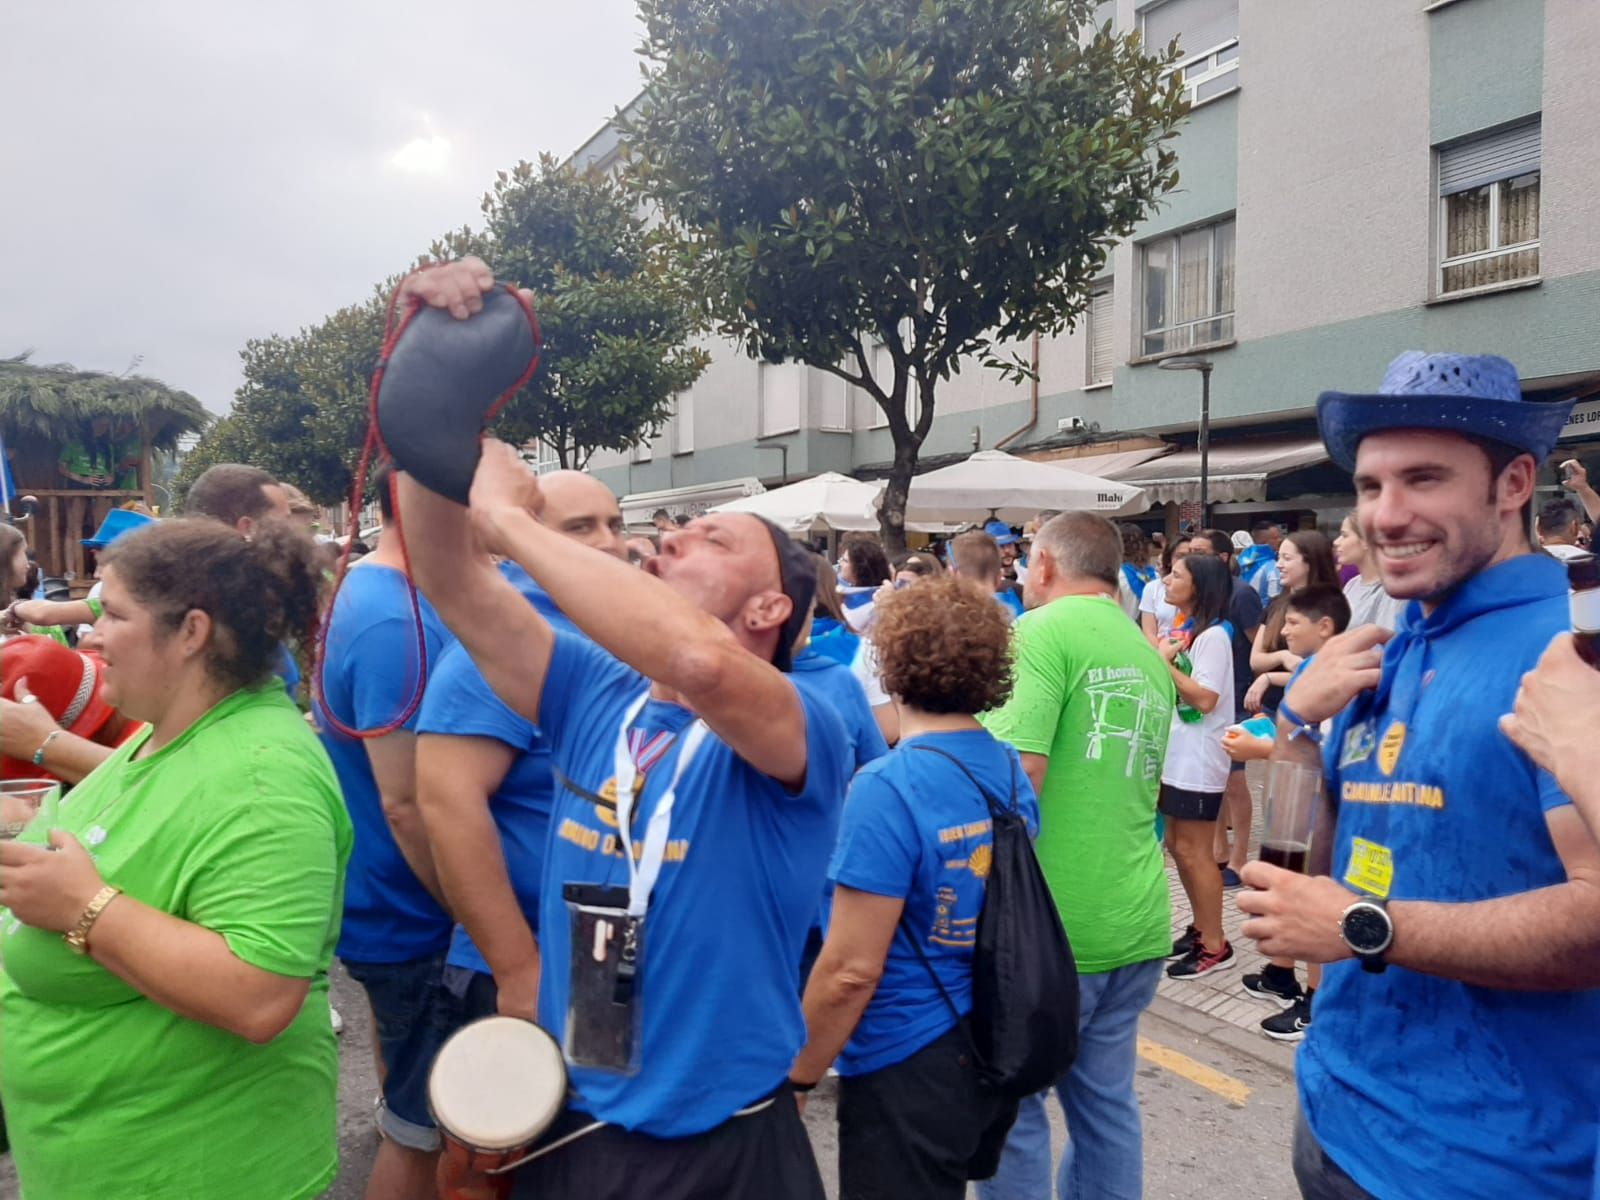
column 186, row 176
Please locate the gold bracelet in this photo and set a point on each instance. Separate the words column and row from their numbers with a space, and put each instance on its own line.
column 78, row 937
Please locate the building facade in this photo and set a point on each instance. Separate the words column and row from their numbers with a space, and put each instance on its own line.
column 1357, row 179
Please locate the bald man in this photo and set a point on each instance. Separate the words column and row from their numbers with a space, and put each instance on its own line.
column 485, row 788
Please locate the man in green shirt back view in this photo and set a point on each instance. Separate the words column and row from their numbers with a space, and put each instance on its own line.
column 1090, row 713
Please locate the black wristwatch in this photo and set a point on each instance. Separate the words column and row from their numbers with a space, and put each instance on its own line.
column 1368, row 931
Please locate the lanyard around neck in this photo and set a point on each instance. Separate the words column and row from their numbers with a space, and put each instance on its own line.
column 642, row 875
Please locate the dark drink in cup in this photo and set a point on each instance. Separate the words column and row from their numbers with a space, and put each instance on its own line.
column 1291, row 856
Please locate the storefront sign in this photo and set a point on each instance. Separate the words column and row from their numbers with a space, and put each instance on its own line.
column 1585, row 421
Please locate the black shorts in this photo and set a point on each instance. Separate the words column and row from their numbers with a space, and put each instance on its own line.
column 922, row 1127
column 1183, row 805
column 765, row 1154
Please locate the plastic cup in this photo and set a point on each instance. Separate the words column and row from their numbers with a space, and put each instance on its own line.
column 20, row 801
column 1294, row 795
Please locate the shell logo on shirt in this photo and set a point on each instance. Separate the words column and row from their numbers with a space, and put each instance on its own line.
column 1394, row 740
column 979, row 861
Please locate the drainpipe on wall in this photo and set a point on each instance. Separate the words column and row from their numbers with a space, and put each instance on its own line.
column 1033, row 403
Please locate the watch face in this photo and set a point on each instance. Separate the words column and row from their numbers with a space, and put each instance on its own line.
column 1367, row 929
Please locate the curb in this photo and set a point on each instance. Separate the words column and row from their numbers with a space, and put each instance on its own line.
column 1275, row 1056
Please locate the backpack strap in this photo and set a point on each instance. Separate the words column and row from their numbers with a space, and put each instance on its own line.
column 995, row 807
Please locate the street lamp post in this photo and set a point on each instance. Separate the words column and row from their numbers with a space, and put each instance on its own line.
column 1204, row 366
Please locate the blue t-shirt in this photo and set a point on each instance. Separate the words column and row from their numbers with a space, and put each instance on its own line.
column 838, row 687
column 370, row 673
column 720, row 1016
column 460, row 703
column 1419, row 1086
column 1010, row 601
column 914, row 828
column 288, row 670
column 833, row 640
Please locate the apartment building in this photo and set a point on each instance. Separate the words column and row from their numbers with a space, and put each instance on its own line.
column 1357, row 179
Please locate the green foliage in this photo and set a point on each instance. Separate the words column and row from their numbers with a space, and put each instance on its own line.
column 939, row 176
column 614, row 312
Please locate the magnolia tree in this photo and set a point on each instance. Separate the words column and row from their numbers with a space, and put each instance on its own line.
column 939, row 177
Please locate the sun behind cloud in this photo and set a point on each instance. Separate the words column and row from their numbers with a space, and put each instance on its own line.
column 426, row 154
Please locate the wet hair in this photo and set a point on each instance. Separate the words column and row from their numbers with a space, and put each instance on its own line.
column 1135, row 546
column 1558, row 515
column 1213, row 589
column 661, row 514
column 1083, row 546
column 827, row 603
column 944, row 646
column 1319, row 601
column 976, row 555
column 868, row 564
column 229, row 492
column 1317, row 550
column 1172, row 548
column 918, row 563
column 259, row 592
column 1221, row 543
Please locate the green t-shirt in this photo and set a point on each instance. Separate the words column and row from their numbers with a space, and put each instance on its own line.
column 237, row 826
column 1095, row 696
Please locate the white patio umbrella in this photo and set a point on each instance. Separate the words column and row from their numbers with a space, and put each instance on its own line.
column 826, row 501
column 994, row 483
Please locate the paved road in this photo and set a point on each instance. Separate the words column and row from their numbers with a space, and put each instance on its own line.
column 1218, row 1109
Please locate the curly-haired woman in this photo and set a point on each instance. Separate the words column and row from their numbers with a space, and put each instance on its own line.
column 915, row 842
column 176, row 1041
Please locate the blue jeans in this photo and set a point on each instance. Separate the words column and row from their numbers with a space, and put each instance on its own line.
column 1104, row 1158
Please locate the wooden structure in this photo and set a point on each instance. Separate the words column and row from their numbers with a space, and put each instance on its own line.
column 42, row 409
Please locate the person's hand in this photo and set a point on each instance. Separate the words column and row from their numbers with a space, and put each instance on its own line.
column 1554, row 717
column 800, row 1099
column 1246, row 747
column 1575, row 476
column 1292, row 915
column 503, row 484
column 1256, row 694
column 24, row 723
column 1348, row 665
column 48, row 887
column 517, row 993
column 1170, row 648
column 458, row 287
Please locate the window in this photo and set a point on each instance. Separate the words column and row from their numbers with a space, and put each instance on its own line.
column 833, row 402
column 1100, row 334
column 683, row 422
column 643, row 452
column 545, row 457
column 1489, row 210
column 1208, row 38
column 1188, row 289
column 782, row 387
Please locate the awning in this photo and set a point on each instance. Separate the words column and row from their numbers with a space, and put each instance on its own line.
column 1236, row 470
column 693, row 500
column 1106, row 466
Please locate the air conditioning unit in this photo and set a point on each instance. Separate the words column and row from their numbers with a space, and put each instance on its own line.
column 1070, row 425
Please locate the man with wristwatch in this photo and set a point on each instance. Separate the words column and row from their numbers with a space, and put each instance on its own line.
column 1454, row 892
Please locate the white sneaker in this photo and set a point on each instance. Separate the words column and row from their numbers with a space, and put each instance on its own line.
column 338, row 1021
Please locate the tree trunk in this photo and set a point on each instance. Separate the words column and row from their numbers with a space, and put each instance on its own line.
column 892, row 510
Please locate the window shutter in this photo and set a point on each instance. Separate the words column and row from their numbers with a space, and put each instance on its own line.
column 1200, row 25
column 1100, row 336
column 1503, row 155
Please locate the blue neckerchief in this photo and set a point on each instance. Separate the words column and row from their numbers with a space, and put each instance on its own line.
column 1252, row 559
column 855, row 597
column 1521, row 580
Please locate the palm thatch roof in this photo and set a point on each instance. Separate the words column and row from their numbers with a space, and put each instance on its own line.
column 55, row 401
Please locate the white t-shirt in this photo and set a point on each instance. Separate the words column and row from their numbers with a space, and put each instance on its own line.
column 1154, row 602
column 1562, row 552
column 864, row 666
column 1196, row 760
column 1371, row 605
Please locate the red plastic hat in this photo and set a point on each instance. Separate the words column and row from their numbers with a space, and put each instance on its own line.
column 69, row 684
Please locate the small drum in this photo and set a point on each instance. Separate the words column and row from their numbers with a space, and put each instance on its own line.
column 496, row 1085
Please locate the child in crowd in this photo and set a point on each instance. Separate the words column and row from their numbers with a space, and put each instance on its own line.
column 1314, row 615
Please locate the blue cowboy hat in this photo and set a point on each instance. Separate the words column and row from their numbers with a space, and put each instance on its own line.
column 118, row 522
column 1001, row 533
column 1477, row 394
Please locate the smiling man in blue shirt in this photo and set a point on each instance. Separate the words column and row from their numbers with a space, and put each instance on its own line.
column 1452, row 1053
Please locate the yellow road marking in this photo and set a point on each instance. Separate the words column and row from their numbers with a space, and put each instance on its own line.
column 1226, row 1086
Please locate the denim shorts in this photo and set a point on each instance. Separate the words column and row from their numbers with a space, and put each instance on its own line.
column 410, row 1008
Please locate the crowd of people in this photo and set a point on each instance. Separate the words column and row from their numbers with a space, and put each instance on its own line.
column 715, row 811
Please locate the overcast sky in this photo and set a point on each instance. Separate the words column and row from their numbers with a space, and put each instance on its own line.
column 181, row 176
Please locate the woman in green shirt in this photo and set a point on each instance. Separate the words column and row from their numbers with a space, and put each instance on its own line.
column 170, row 922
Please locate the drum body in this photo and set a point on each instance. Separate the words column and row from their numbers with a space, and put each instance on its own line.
column 496, row 1085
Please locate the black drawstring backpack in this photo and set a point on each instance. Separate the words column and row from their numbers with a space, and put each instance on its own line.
column 1023, row 1029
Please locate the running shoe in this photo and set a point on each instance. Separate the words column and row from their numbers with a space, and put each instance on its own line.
column 1291, row 1024
column 1183, row 945
column 1200, row 961
column 1276, row 984
column 1230, row 879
